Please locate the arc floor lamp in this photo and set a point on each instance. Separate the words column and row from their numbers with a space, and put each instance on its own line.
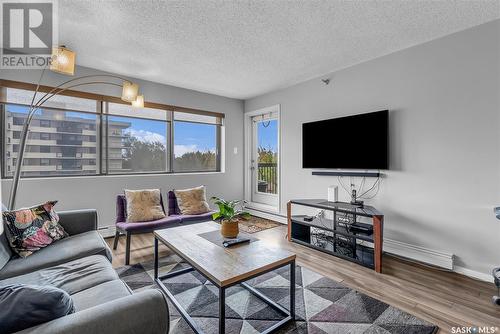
column 63, row 61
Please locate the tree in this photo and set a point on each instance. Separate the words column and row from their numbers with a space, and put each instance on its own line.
column 141, row 155
column 196, row 161
column 144, row 156
column 267, row 155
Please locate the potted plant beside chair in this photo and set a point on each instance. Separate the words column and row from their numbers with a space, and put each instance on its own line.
column 229, row 214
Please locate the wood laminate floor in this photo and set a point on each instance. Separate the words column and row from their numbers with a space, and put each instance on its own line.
column 444, row 298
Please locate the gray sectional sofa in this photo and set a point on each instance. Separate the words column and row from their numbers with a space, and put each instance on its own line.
column 81, row 265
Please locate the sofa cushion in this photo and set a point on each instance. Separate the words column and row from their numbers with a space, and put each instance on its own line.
column 121, row 208
column 192, row 201
column 144, row 205
column 25, row 306
column 68, row 249
column 5, row 251
column 143, row 227
column 30, row 229
column 100, row 294
column 72, row 277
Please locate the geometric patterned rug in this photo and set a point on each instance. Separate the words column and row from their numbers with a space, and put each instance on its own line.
column 322, row 305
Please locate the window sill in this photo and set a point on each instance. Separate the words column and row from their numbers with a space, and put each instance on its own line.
column 114, row 175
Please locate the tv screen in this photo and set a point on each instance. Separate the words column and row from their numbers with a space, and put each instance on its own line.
column 356, row 142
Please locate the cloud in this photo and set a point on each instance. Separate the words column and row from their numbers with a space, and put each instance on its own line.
column 153, row 137
column 180, row 150
column 147, row 136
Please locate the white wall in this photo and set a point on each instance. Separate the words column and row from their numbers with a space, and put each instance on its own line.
column 444, row 176
column 99, row 192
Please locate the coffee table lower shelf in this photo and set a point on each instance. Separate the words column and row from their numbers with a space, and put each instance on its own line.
column 289, row 314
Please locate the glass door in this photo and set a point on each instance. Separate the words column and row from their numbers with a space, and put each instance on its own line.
column 264, row 161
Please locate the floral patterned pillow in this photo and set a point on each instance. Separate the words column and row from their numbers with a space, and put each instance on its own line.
column 33, row 228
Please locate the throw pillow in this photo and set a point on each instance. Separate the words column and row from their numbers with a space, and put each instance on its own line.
column 24, row 306
column 192, row 201
column 33, row 228
column 143, row 205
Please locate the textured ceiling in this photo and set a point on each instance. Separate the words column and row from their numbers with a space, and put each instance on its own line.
column 242, row 49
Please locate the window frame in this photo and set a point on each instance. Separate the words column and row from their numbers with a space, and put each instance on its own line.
column 3, row 122
column 102, row 115
column 218, row 132
column 105, row 152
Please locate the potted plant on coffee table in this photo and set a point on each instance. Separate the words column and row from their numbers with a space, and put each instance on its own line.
column 229, row 214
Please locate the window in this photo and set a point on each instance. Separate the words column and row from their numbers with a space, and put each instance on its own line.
column 136, row 145
column 45, row 136
column 52, row 139
column 140, row 145
column 194, row 147
column 196, row 142
column 79, row 136
column 44, row 123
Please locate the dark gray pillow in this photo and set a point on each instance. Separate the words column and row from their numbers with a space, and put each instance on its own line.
column 25, row 306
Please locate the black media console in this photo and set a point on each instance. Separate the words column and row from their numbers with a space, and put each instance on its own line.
column 348, row 231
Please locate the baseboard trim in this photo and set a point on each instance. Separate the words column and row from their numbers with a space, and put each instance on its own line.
column 418, row 253
column 262, row 207
column 267, row 215
column 474, row 274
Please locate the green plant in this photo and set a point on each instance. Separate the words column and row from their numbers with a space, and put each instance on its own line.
column 229, row 211
column 267, row 155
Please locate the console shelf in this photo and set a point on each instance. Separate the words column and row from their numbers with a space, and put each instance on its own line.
column 300, row 220
column 336, row 237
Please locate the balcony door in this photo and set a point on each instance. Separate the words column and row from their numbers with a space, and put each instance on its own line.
column 263, row 159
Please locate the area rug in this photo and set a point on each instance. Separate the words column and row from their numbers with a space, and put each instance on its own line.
column 256, row 224
column 322, row 305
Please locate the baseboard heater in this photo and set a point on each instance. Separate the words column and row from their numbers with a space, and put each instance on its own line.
column 419, row 254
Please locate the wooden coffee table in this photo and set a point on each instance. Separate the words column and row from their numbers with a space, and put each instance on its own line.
column 224, row 267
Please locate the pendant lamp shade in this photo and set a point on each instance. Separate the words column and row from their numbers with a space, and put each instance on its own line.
column 139, row 102
column 130, row 91
column 63, row 60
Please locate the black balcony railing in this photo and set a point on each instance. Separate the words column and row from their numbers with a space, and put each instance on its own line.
column 268, row 177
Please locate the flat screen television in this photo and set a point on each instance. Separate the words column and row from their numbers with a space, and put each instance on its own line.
column 352, row 142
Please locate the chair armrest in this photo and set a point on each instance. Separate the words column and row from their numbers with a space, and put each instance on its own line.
column 78, row 221
column 145, row 312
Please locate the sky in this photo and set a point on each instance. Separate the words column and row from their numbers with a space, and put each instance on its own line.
column 268, row 136
column 188, row 137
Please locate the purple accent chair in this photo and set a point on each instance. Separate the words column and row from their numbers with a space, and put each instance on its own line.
column 174, row 218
